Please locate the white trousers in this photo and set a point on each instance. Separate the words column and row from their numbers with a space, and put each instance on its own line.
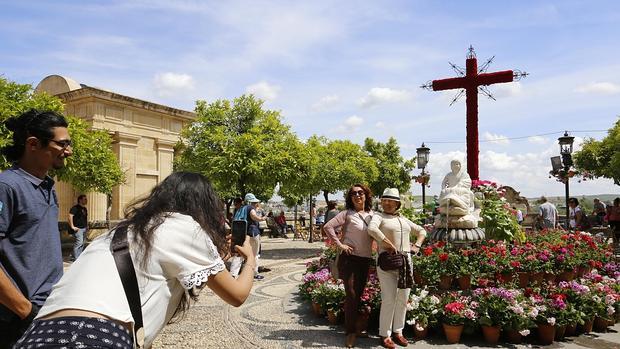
column 393, row 303
column 236, row 261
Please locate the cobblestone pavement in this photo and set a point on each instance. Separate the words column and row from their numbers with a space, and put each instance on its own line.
column 273, row 316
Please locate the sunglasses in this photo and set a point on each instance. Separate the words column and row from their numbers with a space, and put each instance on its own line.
column 64, row 144
column 358, row 193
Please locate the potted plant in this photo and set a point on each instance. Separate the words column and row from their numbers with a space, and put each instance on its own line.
column 457, row 310
column 465, row 267
column 518, row 321
column 493, row 310
column 333, row 300
column 422, row 311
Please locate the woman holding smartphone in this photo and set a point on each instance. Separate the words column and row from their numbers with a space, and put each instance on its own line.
column 355, row 257
column 176, row 239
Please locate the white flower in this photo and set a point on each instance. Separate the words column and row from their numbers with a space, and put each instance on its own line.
column 435, row 311
column 410, row 322
column 551, row 321
column 423, row 293
column 418, row 327
column 435, row 300
column 610, row 310
column 524, row 332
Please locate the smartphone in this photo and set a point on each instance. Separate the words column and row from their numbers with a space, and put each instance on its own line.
column 239, row 229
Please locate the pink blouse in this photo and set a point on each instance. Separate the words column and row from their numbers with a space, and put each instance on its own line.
column 356, row 232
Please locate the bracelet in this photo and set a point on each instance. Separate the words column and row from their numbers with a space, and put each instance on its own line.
column 418, row 246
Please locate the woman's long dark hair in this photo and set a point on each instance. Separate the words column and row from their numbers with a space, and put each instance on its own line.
column 367, row 195
column 182, row 192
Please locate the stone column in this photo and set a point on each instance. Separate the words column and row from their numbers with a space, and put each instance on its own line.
column 165, row 157
column 125, row 147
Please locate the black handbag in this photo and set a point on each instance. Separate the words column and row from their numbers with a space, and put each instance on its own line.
column 392, row 261
column 124, row 265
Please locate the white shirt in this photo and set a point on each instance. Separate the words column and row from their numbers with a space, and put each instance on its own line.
column 182, row 256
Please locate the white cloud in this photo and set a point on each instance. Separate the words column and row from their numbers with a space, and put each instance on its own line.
column 380, row 124
column 326, row 103
column 506, row 90
column 264, row 90
column 600, row 88
column 378, row 95
column 169, row 84
column 496, row 139
column 537, row 140
column 351, row 124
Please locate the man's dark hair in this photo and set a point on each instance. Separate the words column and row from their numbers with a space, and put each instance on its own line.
column 80, row 198
column 33, row 123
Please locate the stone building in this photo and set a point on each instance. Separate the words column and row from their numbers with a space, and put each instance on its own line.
column 143, row 133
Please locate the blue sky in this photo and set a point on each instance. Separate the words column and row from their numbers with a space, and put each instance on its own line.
column 348, row 69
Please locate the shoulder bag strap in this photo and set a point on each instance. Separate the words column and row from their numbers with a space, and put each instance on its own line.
column 124, row 265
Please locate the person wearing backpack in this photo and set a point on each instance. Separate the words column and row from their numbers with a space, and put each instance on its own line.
column 248, row 214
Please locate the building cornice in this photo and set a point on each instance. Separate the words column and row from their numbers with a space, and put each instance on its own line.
column 88, row 91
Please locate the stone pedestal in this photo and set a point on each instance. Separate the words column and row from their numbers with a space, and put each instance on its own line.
column 457, row 235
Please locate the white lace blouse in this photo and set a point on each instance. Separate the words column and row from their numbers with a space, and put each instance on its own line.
column 183, row 256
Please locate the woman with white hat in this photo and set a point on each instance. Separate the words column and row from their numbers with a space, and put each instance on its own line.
column 392, row 232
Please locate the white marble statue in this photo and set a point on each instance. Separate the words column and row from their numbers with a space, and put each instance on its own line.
column 456, row 200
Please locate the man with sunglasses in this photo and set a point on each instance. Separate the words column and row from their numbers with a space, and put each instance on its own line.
column 30, row 251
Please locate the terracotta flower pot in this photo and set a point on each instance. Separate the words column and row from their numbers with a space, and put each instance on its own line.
column 524, row 279
column 464, row 282
column 560, row 331
column 581, row 271
column 587, row 326
column 504, row 278
column 566, row 275
column 537, row 278
column 317, row 310
column 445, row 282
column 546, row 333
column 420, row 334
column 332, row 317
column 491, row 334
column 453, row 333
column 513, row 336
column 571, row 330
column 549, row 277
column 600, row 324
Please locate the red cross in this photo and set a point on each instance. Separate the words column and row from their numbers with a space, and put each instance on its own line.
column 470, row 83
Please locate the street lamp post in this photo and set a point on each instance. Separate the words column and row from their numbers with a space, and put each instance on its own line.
column 566, row 149
column 423, row 153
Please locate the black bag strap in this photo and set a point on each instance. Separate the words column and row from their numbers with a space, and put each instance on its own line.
column 124, row 265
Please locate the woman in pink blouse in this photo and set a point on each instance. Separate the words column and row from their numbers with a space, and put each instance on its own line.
column 355, row 258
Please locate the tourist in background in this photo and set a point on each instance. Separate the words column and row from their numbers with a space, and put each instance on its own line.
column 176, row 237
column 332, row 210
column 392, row 232
column 518, row 215
column 547, row 214
column 355, row 257
column 78, row 224
column 613, row 217
column 577, row 218
column 599, row 211
column 30, row 250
